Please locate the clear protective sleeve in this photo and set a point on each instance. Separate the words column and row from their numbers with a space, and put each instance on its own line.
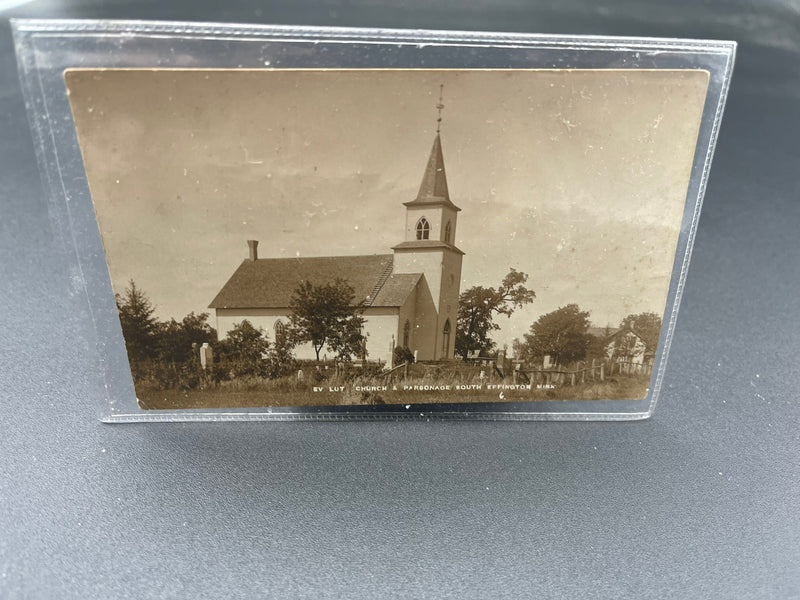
column 47, row 48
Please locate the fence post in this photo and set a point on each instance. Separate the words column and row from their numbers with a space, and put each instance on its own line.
column 602, row 368
column 572, row 379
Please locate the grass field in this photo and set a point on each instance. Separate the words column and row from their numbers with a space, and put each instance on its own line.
column 290, row 393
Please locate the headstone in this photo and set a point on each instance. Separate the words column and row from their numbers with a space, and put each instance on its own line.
column 206, row 356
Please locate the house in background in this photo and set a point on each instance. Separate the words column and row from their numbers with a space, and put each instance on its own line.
column 625, row 345
column 618, row 345
column 409, row 297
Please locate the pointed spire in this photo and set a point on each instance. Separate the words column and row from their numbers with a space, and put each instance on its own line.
column 433, row 189
column 434, row 181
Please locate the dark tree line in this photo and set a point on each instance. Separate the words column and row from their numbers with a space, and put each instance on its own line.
column 563, row 336
column 164, row 353
column 147, row 338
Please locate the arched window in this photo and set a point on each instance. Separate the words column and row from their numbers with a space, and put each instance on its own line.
column 446, row 338
column 447, row 231
column 280, row 329
column 406, row 333
column 423, row 229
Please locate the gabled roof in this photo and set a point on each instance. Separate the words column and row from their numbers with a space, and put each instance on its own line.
column 602, row 332
column 613, row 332
column 433, row 189
column 270, row 283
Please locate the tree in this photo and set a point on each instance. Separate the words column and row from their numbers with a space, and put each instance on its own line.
column 478, row 305
column 646, row 325
column 139, row 326
column 175, row 339
column 326, row 316
column 560, row 334
column 596, row 346
column 244, row 350
column 280, row 358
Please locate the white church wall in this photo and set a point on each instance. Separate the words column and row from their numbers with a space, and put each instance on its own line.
column 265, row 318
column 447, row 215
column 428, row 262
column 433, row 215
column 436, row 216
column 425, row 322
column 380, row 325
column 451, row 285
column 406, row 313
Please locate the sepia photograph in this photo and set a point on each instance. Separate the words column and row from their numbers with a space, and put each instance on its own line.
column 321, row 237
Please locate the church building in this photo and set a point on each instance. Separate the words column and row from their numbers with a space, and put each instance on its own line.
column 408, row 298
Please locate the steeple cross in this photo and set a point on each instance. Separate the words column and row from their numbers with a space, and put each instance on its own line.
column 439, row 107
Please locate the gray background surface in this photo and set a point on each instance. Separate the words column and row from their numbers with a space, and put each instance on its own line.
column 700, row 501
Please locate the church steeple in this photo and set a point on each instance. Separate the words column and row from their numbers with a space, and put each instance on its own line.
column 429, row 249
column 433, row 189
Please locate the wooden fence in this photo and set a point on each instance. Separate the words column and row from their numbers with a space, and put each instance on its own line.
column 596, row 371
column 494, row 370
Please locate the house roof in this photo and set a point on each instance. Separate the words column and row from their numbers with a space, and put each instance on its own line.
column 433, row 189
column 271, row 282
column 602, row 332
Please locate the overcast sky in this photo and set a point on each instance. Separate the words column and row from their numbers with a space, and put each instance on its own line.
column 577, row 178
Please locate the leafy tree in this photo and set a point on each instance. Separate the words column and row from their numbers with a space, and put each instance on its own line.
column 478, row 305
column 139, row 326
column 175, row 339
column 280, row 358
column 596, row 346
column 326, row 316
column 244, row 350
column 646, row 325
column 561, row 334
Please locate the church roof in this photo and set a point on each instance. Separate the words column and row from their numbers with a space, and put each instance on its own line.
column 397, row 289
column 602, row 332
column 433, row 189
column 270, row 283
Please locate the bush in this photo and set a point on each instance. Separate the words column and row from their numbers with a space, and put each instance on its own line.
column 280, row 360
column 402, row 355
column 161, row 375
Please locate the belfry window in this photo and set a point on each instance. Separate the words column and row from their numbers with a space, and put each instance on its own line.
column 423, row 229
column 447, row 231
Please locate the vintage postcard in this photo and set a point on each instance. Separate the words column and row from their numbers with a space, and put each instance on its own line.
column 319, row 237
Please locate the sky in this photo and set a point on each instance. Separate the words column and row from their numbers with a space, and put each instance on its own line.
column 576, row 177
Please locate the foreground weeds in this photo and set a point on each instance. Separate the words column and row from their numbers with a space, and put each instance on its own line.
column 289, row 391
